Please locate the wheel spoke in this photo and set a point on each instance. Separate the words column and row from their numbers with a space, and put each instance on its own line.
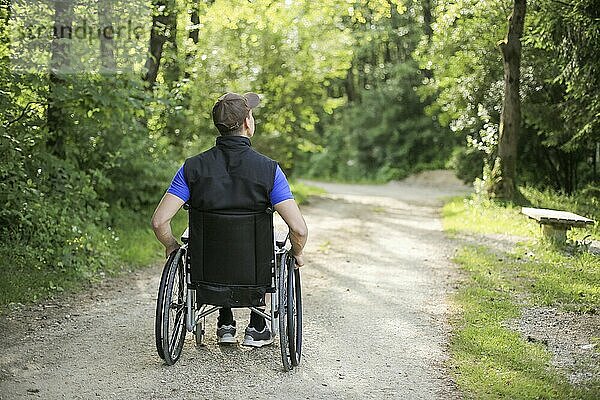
column 176, row 328
column 174, row 340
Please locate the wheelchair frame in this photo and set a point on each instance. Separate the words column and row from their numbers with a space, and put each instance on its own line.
column 178, row 313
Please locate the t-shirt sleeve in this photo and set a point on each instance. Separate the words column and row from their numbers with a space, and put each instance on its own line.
column 179, row 186
column 281, row 188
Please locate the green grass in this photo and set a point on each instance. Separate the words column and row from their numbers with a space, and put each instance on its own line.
column 137, row 244
column 492, row 361
column 20, row 283
column 482, row 216
column 476, row 215
column 302, row 192
column 552, row 277
column 24, row 280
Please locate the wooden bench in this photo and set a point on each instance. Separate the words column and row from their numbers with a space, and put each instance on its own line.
column 556, row 223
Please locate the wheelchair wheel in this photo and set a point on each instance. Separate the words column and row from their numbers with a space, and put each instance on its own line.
column 171, row 309
column 159, row 306
column 290, row 313
column 295, row 314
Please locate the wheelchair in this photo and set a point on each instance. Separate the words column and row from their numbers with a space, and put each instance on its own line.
column 229, row 260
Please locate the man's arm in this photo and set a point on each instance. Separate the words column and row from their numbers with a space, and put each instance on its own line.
column 289, row 211
column 161, row 221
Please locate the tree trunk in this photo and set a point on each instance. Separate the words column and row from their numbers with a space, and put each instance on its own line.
column 196, row 10
column 427, row 19
column 596, row 158
column 159, row 34
column 59, row 65
column 172, row 67
column 61, row 41
column 350, row 85
column 105, row 19
column 6, row 5
column 503, row 179
column 428, row 30
column 195, row 20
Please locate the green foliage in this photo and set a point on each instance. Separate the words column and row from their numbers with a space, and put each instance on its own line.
column 63, row 172
column 351, row 90
column 492, row 360
column 286, row 52
column 303, row 192
column 570, row 34
column 382, row 133
column 467, row 163
column 375, row 141
column 466, row 68
column 56, row 194
column 559, row 74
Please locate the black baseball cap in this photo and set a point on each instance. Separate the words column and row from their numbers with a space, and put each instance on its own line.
column 231, row 109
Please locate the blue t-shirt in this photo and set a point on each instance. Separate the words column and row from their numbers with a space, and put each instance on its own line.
column 281, row 189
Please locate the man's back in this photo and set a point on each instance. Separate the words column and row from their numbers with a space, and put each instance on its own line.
column 230, row 177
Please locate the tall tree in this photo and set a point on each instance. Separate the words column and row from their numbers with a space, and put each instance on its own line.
column 503, row 179
column 59, row 65
column 427, row 30
column 163, row 20
column 427, row 19
column 107, row 32
column 5, row 10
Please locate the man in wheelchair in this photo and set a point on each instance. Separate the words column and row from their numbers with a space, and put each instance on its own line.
column 232, row 177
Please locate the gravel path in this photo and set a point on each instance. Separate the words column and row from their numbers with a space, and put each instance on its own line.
column 375, row 311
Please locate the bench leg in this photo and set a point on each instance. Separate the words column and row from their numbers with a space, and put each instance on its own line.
column 554, row 234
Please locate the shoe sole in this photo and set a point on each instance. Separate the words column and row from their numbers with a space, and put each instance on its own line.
column 228, row 339
column 257, row 343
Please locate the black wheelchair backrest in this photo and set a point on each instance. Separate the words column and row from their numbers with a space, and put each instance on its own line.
column 233, row 249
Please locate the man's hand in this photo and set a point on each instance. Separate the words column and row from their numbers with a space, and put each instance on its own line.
column 171, row 248
column 299, row 260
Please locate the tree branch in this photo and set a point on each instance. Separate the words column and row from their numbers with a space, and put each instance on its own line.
column 9, row 123
column 562, row 3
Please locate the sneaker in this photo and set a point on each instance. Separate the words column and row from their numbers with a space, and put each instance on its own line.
column 255, row 338
column 226, row 334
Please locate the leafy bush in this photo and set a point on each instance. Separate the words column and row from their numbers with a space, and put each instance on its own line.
column 51, row 211
column 467, row 162
column 57, row 187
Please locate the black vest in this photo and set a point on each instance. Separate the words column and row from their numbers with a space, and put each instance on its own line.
column 230, row 177
column 231, row 232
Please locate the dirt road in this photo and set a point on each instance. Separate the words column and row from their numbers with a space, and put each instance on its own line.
column 375, row 311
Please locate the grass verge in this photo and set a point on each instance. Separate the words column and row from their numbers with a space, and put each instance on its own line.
column 491, row 360
column 23, row 279
column 302, row 192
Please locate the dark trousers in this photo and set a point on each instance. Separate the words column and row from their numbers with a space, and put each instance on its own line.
column 226, row 318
